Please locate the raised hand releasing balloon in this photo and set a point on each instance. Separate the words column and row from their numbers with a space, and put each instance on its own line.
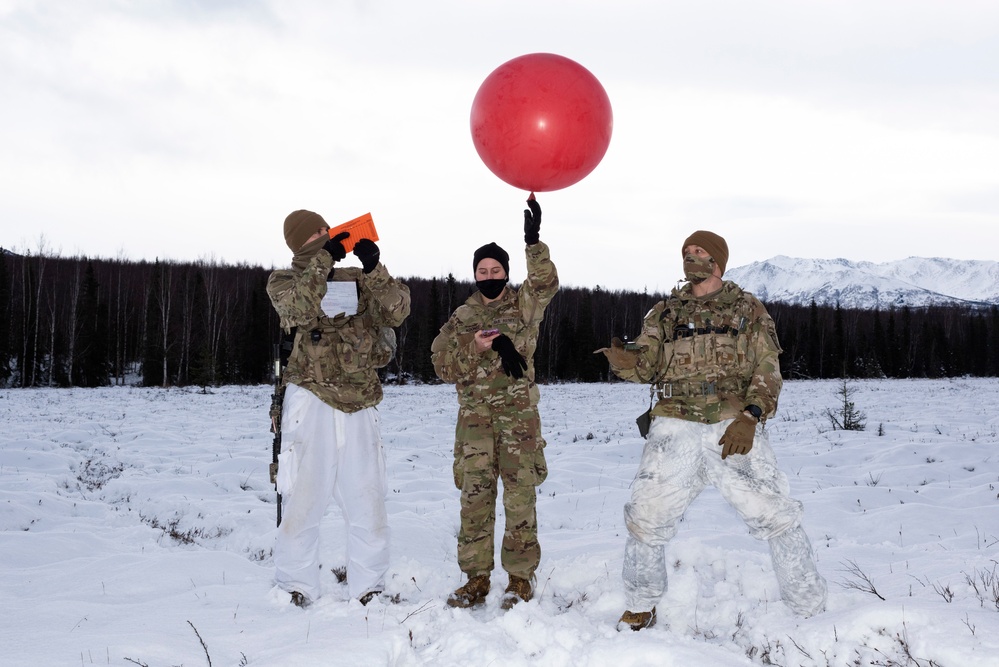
column 541, row 122
column 532, row 221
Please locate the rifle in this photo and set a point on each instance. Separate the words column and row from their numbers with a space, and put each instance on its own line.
column 282, row 351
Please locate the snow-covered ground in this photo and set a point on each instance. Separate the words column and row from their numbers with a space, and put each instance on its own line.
column 137, row 527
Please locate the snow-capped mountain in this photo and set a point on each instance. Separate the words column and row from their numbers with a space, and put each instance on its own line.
column 915, row 282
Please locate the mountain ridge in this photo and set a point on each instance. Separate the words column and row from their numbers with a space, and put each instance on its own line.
column 913, row 282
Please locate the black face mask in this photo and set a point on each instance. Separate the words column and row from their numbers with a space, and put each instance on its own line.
column 491, row 288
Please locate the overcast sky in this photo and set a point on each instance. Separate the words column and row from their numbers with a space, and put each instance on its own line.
column 188, row 130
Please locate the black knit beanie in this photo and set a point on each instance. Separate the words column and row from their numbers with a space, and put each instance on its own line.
column 492, row 251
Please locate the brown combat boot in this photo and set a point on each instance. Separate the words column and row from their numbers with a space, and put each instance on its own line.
column 637, row 620
column 471, row 594
column 518, row 590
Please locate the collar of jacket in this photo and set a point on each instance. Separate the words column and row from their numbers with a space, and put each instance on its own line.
column 476, row 298
column 307, row 254
column 729, row 292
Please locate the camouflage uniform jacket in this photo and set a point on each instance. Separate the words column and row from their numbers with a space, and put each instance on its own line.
column 707, row 357
column 482, row 385
column 339, row 367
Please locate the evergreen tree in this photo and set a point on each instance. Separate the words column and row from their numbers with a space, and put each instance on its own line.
column 890, row 361
column 906, row 365
column 251, row 348
column 563, row 354
column 6, row 321
column 203, row 370
column 992, row 361
column 434, row 320
column 815, row 338
column 25, row 354
column 93, row 366
column 837, row 360
column 878, row 349
column 452, row 295
column 152, row 350
column 60, row 361
column 945, row 356
column 588, row 365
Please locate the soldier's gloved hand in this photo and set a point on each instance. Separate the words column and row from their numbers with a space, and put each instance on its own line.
column 367, row 251
column 738, row 437
column 513, row 362
column 618, row 356
column 335, row 248
column 532, row 221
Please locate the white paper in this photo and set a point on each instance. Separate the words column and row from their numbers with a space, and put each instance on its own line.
column 341, row 297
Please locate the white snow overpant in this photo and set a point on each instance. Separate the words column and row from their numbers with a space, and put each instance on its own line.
column 680, row 458
column 326, row 453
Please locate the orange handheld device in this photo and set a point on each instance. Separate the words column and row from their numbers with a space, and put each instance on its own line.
column 362, row 227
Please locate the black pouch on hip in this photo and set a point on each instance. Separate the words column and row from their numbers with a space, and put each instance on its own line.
column 644, row 421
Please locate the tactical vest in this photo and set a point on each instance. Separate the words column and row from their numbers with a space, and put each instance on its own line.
column 704, row 369
column 341, row 346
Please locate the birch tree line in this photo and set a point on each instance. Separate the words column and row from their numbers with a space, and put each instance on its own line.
column 78, row 321
column 93, row 322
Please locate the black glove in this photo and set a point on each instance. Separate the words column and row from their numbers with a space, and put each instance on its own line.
column 367, row 251
column 532, row 222
column 513, row 362
column 335, row 248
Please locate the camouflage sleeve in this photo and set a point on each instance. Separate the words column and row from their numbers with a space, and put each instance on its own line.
column 541, row 284
column 387, row 297
column 453, row 354
column 648, row 350
column 297, row 296
column 764, row 352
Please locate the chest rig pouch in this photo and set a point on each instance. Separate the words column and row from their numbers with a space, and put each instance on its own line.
column 705, row 344
column 345, row 345
column 703, row 352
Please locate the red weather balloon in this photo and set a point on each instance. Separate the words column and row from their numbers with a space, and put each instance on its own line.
column 541, row 122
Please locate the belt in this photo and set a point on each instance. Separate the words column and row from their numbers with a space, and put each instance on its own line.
column 671, row 389
column 686, row 332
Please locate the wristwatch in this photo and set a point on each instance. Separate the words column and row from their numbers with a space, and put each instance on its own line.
column 754, row 410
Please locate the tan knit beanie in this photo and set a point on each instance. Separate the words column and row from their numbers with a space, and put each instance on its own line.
column 299, row 226
column 712, row 243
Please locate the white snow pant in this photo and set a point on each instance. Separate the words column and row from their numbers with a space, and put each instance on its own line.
column 680, row 458
column 326, row 453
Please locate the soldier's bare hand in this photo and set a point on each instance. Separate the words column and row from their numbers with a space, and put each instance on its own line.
column 484, row 340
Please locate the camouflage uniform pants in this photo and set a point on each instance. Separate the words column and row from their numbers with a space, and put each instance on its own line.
column 680, row 458
column 505, row 446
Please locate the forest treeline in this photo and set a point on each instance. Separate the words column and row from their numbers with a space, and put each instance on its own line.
column 93, row 322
